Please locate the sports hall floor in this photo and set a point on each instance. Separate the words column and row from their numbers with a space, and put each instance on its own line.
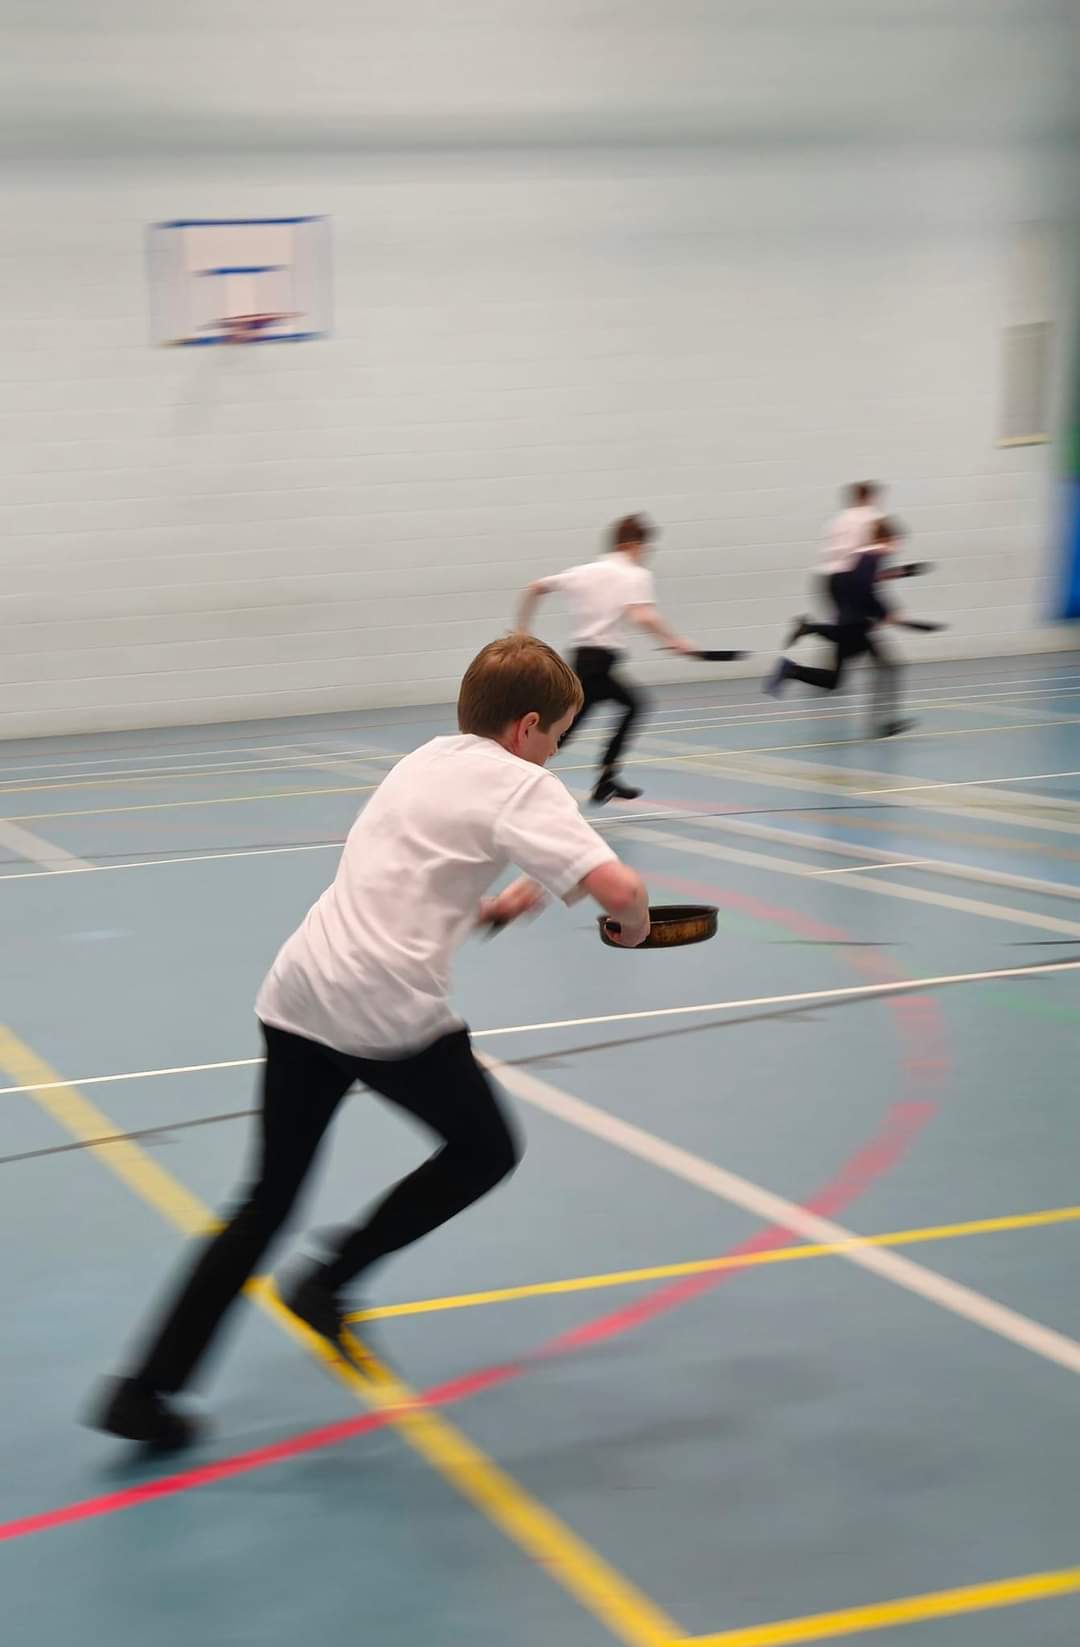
column 653, row 1390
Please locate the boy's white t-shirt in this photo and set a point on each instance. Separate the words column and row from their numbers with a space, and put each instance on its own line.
column 600, row 592
column 850, row 531
column 368, row 971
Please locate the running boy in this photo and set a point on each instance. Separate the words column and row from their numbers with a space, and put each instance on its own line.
column 859, row 611
column 852, row 530
column 603, row 594
column 359, row 993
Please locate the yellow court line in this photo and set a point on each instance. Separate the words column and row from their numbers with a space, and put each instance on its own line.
column 624, row 1609
column 704, row 1266
column 953, row 837
column 640, row 760
column 168, row 806
column 884, row 1615
column 828, row 743
column 626, row 1612
column 196, row 771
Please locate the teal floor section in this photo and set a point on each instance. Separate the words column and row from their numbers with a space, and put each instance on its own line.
column 797, row 1437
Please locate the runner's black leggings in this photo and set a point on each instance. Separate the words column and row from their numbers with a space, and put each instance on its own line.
column 303, row 1084
column 594, row 667
column 853, row 640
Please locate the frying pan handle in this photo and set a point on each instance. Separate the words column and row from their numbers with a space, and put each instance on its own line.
column 909, row 569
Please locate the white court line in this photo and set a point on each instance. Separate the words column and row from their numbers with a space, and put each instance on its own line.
column 816, row 778
column 866, row 869
column 86, row 773
column 172, row 750
column 139, row 1075
column 907, row 738
column 995, row 701
column 148, row 775
column 903, row 986
column 171, row 806
column 719, row 819
column 859, row 782
column 664, row 738
column 84, row 778
column 181, row 752
column 776, row 1210
column 973, row 783
column 731, row 824
column 815, row 843
column 28, row 845
column 852, row 705
column 355, row 767
column 912, row 894
column 175, row 753
column 599, row 735
column 193, row 858
column 61, row 862
column 583, row 766
column 960, row 697
column 907, row 986
column 948, row 692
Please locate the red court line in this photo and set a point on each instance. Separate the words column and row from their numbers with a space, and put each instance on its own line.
column 918, row 1017
column 855, row 1176
column 903, row 1122
column 920, row 1023
column 203, row 1475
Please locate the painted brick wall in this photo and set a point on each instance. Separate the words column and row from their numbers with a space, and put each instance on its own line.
column 528, row 342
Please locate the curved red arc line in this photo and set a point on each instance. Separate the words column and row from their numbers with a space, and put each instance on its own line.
column 918, row 1016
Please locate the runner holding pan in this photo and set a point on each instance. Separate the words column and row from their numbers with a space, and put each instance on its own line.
column 605, row 595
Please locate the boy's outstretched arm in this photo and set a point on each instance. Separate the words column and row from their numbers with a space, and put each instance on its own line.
column 528, row 604
column 648, row 618
column 620, row 892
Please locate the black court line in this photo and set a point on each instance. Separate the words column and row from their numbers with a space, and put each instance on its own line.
column 163, row 1127
column 126, row 1137
column 609, row 820
column 232, row 732
column 802, row 1010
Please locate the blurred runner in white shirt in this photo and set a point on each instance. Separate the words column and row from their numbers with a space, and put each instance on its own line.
column 851, row 531
column 604, row 595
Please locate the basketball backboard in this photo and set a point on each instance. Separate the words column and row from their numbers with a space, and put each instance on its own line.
column 225, row 280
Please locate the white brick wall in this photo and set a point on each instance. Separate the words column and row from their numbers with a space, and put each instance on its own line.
column 526, row 345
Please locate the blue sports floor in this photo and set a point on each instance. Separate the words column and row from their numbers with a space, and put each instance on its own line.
column 772, row 1337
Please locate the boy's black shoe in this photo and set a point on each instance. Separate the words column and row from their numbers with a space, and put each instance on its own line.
column 128, row 1409
column 609, row 788
column 775, row 682
column 318, row 1305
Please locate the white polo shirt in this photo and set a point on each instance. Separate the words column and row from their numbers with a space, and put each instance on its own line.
column 599, row 593
column 850, row 531
column 368, row 971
